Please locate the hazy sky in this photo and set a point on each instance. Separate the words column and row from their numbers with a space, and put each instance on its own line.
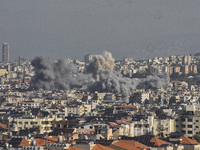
column 127, row 28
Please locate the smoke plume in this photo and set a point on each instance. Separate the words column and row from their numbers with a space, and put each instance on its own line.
column 113, row 82
column 58, row 75
column 44, row 74
column 100, row 62
column 99, row 76
column 155, row 82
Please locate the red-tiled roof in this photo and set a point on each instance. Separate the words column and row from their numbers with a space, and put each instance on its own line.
column 51, row 139
column 118, row 122
column 101, row 113
column 130, row 145
column 101, row 147
column 187, row 141
column 24, row 143
column 3, row 125
column 40, row 142
column 113, row 125
column 125, row 123
column 158, row 142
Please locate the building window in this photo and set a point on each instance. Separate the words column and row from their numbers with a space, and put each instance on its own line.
column 189, row 126
column 183, row 126
column 197, row 120
column 183, row 119
column 197, row 126
column 189, row 120
column 177, row 126
column 45, row 122
column 189, row 132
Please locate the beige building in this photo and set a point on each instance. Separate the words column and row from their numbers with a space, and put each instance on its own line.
column 189, row 124
column 75, row 110
column 28, row 122
column 193, row 69
column 187, row 59
column 163, row 127
column 31, row 104
column 2, row 71
column 186, row 69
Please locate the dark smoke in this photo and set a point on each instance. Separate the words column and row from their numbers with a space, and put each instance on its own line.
column 58, row 75
column 63, row 71
column 44, row 74
column 112, row 81
column 99, row 76
column 81, row 81
column 155, row 82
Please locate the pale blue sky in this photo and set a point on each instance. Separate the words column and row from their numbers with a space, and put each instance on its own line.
column 127, row 28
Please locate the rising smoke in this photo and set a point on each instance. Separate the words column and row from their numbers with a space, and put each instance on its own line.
column 155, row 82
column 114, row 82
column 99, row 76
column 51, row 75
column 44, row 74
column 100, row 62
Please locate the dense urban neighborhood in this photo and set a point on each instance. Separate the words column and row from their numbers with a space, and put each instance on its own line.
column 100, row 103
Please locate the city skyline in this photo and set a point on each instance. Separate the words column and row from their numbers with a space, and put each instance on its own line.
column 100, row 74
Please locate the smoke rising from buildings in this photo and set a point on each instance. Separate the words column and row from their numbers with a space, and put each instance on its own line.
column 44, row 74
column 52, row 75
column 114, row 82
column 155, row 82
column 100, row 62
column 99, row 76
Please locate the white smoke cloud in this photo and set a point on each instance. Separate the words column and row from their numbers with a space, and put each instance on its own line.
column 100, row 62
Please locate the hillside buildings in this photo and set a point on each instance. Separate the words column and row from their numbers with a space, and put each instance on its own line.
column 151, row 119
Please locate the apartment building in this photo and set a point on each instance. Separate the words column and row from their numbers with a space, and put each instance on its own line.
column 46, row 124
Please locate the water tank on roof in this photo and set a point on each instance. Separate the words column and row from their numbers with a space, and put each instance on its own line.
column 34, row 143
column 59, row 139
column 10, row 134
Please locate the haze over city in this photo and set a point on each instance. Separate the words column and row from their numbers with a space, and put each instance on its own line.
column 99, row 75
column 70, row 29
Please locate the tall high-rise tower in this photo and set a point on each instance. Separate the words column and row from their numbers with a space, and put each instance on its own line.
column 5, row 53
